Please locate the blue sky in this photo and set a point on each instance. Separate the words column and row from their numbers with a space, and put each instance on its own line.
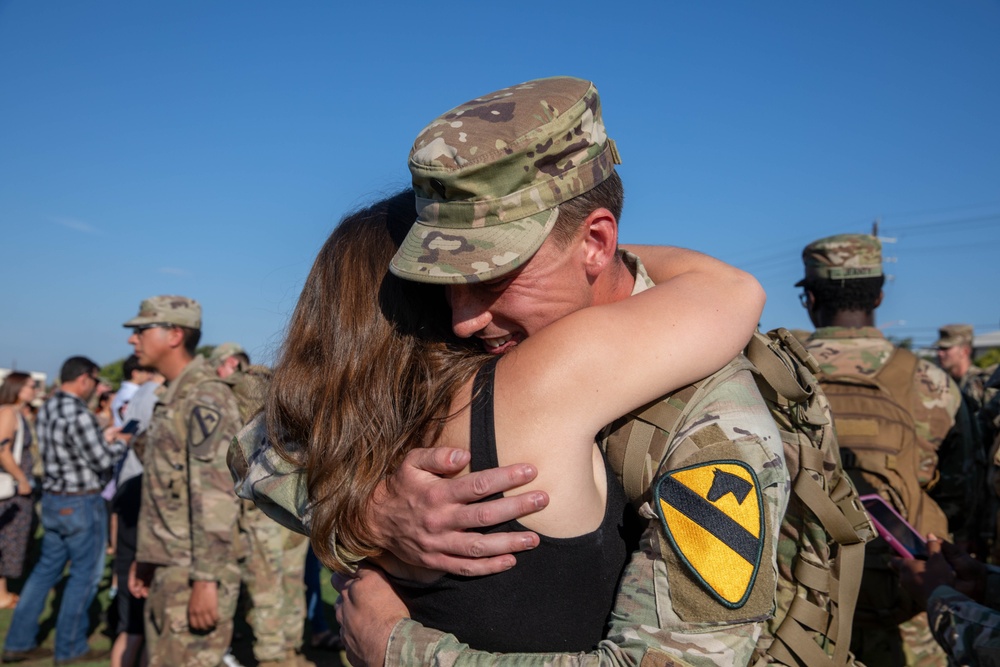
column 208, row 148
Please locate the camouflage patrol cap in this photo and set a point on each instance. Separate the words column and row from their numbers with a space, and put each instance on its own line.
column 842, row 257
column 224, row 351
column 490, row 174
column 167, row 309
column 951, row 335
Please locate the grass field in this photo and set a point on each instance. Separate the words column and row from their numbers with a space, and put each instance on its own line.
column 100, row 639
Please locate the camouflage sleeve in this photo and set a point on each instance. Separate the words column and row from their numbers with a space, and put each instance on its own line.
column 937, row 402
column 674, row 607
column 969, row 632
column 213, row 419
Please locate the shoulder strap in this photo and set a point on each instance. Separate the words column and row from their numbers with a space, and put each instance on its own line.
column 18, row 437
column 897, row 376
column 659, row 421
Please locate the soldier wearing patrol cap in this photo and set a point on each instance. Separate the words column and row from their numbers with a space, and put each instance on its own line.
column 517, row 205
column 186, row 557
column 954, row 353
column 842, row 288
column 273, row 565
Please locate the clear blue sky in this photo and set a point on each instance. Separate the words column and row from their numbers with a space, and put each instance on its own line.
column 208, row 148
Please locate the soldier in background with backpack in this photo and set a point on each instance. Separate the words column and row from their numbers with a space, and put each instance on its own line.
column 893, row 414
column 274, row 564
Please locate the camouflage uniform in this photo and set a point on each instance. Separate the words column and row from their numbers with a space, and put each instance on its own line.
column 662, row 611
column 273, row 573
column 667, row 611
column 864, row 351
column 973, row 382
column 489, row 177
column 188, row 520
column 968, row 631
column 274, row 562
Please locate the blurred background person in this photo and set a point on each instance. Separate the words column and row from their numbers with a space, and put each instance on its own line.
column 17, row 391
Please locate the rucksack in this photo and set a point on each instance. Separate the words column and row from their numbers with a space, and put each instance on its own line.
column 878, row 437
column 825, row 527
column 249, row 385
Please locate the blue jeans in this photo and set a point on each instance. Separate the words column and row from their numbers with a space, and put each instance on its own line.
column 75, row 531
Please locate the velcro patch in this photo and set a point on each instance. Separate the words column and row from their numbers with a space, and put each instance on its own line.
column 713, row 514
column 202, row 424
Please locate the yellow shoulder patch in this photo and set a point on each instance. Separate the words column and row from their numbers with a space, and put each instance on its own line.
column 713, row 513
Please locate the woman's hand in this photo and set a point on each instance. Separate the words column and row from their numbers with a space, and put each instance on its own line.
column 24, row 487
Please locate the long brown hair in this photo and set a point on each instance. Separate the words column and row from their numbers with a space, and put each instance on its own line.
column 366, row 373
column 11, row 387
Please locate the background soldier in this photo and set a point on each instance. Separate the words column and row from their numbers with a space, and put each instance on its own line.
column 274, row 564
column 186, row 559
column 954, row 353
column 870, row 385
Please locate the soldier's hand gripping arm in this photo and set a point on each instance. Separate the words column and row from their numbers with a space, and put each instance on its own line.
column 421, row 514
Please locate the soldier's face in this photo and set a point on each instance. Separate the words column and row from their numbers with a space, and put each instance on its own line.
column 149, row 344
column 952, row 359
column 503, row 312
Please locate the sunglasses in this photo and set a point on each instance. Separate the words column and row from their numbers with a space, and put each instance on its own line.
column 142, row 327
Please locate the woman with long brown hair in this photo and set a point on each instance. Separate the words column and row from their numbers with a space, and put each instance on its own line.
column 17, row 390
column 370, row 370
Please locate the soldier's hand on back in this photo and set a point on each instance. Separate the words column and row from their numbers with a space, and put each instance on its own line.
column 203, row 608
column 423, row 513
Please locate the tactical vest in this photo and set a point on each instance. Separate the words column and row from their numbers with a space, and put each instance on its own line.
column 874, row 421
column 825, row 526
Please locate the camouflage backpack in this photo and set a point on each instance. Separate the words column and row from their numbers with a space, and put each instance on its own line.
column 821, row 545
column 250, row 388
column 878, row 437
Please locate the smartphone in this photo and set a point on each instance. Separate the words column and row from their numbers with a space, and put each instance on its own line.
column 130, row 427
column 903, row 537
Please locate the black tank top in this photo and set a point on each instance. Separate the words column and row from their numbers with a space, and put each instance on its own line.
column 558, row 596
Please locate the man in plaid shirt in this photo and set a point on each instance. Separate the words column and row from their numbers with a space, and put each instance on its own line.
column 77, row 459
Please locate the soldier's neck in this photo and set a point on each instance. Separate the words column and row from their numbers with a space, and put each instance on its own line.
column 854, row 319
column 172, row 367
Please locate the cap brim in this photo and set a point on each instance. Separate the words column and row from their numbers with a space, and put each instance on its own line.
column 139, row 321
column 450, row 255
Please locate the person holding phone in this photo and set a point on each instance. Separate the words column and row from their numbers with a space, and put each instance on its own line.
column 962, row 599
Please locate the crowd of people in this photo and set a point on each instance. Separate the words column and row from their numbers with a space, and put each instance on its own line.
column 517, row 442
column 91, row 474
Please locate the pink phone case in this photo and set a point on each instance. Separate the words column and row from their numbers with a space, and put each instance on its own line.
column 884, row 532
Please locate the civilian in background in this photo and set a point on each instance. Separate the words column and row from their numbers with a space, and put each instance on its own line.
column 77, row 459
column 18, row 390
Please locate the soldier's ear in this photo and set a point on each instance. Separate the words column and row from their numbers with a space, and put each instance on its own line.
column 600, row 239
column 878, row 301
column 175, row 337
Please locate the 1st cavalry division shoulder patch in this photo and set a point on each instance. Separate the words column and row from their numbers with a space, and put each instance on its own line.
column 713, row 514
column 202, row 424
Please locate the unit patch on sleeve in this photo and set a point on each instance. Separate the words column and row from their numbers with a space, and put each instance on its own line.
column 713, row 514
column 202, row 424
